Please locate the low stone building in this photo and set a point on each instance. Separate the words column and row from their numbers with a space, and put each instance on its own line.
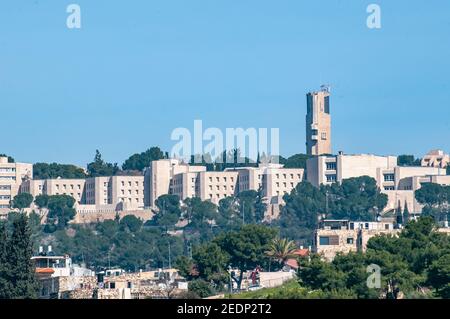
column 344, row 236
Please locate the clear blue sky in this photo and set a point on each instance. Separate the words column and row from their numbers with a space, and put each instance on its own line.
column 138, row 69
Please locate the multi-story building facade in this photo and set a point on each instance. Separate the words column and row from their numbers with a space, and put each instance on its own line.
column 344, row 236
column 214, row 186
column 11, row 177
column 96, row 193
column 57, row 186
column 173, row 177
column 328, row 169
column 398, row 182
column 160, row 176
column 318, row 122
column 126, row 191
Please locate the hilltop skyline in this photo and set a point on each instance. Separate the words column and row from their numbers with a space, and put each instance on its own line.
column 131, row 75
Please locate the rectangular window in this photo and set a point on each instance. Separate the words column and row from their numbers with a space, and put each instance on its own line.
column 324, row 241
column 331, row 166
column 331, row 178
column 327, row 104
column 389, row 177
column 323, row 135
column 350, row 240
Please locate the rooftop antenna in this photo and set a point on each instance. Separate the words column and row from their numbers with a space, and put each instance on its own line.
column 325, row 88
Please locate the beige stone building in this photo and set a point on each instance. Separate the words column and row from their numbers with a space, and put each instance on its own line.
column 96, row 194
column 318, row 122
column 214, row 186
column 325, row 170
column 398, row 182
column 436, row 158
column 11, row 177
column 124, row 191
column 344, row 236
column 159, row 179
column 174, row 177
column 57, row 186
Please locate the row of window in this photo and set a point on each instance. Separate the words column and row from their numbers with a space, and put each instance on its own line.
column 5, row 187
column 5, row 197
column 285, row 176
column 284, row 184
column 224, row 187
column 219, row 195
column 223, row 178
column 129, row 192
column 7, row 169
column 64, row 186
column 333, row 240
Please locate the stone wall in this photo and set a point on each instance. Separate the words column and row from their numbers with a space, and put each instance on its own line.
column 86, row 218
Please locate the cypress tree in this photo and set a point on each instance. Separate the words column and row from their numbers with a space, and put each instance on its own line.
column 399, row 215
column 406, row 213
column 20, row 251
column 5, row 281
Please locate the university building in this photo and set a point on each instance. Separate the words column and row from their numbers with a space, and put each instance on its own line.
column 11, row 177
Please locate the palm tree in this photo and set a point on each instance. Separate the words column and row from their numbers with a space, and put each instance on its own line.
column 281, row 249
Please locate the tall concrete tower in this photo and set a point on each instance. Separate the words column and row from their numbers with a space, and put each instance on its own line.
column 318, row 122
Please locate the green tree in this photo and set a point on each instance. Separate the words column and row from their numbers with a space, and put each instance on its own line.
column 10, row 159
column 318, row 274
column 295, row 161
column 23, row 280
column 281, row 249
column 201, row 216
column 101, row 168
column 399, row 214
column 439, row 276
column 436, row 199
column 140, row 161
column 233, row 159
column 168, row 211
column 203, row 160
column 131, row 223
column 210, row 262
column 199, row 212
column 251, row 206
column 408, row 160
column 60, row 212
column 228, row 214
column 22, row 201
column 41, row 201
column 299, row 216
column 246, row 248
column 406, row 215
column 357, row 198
column 185, row 266
column 54, row 170
column 5, row 274
column 201, row 288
